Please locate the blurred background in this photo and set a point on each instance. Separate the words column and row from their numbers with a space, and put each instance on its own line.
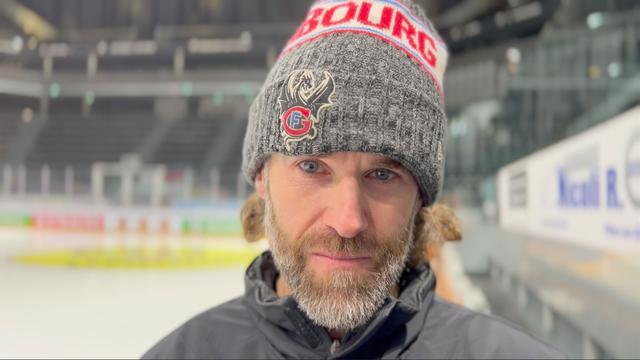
column 121, row 126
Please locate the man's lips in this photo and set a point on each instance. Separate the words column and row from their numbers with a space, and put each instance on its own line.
column 339, row 257
column 341, row 260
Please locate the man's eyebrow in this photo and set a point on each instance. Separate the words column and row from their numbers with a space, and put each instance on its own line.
column 393, row 164
column 323, row 155
column 385, row 161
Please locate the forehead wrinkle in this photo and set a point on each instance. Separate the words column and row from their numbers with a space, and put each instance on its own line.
column 381, row 160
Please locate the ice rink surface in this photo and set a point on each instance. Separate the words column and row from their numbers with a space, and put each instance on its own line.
column 62, row 312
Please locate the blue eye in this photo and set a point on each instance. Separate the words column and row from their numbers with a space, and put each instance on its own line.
column 383, row 174
column 309, row 166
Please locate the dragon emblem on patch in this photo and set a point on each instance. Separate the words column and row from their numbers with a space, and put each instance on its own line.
column 301, row 102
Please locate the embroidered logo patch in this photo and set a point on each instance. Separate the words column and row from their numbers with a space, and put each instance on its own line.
column 301, row 102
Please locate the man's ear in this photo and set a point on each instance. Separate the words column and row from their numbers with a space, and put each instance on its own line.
column 260, row 182
column 417, row 204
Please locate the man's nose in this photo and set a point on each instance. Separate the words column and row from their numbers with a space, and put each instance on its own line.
column 346, row 211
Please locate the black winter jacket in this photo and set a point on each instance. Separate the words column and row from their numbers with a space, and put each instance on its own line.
column 415, row 325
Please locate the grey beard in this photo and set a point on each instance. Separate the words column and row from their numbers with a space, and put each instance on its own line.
column 348, row 300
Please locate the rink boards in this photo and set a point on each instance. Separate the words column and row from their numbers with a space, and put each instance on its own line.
column 585, row 189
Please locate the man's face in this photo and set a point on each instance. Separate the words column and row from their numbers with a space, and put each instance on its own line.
column 340, row 228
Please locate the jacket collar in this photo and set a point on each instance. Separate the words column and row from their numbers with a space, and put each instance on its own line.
column 291, row 333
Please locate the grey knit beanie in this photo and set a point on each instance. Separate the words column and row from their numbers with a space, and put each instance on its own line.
column 362, row 76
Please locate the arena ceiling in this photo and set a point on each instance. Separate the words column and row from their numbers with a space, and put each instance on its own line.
column 76, row 20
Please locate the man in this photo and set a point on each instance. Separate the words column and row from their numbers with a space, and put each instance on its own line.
column 345, row 144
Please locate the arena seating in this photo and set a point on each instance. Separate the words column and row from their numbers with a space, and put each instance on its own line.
column 9, row 125
column 74, row 139
column 188, row 142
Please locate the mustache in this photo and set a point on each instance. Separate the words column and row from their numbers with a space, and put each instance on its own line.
column 360, row 245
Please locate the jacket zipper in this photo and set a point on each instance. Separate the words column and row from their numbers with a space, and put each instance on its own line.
column 334, row 347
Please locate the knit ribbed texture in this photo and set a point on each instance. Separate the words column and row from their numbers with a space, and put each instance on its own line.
column 383, row 103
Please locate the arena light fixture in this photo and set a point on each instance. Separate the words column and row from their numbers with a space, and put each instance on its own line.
column 595, row 20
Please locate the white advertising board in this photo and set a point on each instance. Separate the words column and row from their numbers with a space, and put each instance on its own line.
column 585, row 189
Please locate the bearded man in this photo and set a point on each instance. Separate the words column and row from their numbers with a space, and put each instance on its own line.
column 345, row 146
